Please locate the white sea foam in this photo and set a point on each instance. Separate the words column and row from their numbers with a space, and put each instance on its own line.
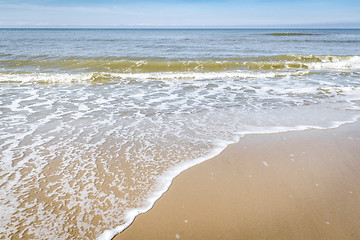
column 336, row 63
column 163, row 184
column 209, row 75
column 81, row 78
column 166, row 179
column 34, row 78
column 133, row 137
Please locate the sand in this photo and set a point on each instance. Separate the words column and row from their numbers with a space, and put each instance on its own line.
column 295, row 185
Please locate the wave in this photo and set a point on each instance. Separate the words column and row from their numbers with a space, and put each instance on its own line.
column 125, row 65
column 104, row 77
column 292, row 34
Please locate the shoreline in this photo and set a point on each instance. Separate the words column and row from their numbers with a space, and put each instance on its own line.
column 228, row 160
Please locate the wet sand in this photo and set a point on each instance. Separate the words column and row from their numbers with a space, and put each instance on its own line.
column 295, row 185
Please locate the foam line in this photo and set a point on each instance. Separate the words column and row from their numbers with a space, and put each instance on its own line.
column 166, row 179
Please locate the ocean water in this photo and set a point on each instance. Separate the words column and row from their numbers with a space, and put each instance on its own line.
column 95, row 123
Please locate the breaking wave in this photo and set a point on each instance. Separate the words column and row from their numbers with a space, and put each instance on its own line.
column 118, row 65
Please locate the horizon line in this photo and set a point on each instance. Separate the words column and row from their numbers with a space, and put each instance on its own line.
column 195, row 27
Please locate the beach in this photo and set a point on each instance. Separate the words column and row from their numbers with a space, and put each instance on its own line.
column 293, row 185
column 95, row 124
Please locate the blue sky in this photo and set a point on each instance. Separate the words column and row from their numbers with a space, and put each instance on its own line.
column 179, row 13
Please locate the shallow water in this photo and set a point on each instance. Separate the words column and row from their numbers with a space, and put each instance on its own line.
column 96, row 123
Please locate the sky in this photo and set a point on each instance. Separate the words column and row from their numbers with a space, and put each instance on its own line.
column 180, row 13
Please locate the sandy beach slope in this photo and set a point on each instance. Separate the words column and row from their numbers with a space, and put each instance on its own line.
column 295, row 185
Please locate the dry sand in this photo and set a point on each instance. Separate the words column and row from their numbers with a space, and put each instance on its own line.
column 296, row 185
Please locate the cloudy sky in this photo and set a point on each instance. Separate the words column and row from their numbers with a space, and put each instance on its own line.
column 179, row 13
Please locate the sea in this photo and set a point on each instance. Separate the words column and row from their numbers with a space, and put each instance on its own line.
column 96, row 123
